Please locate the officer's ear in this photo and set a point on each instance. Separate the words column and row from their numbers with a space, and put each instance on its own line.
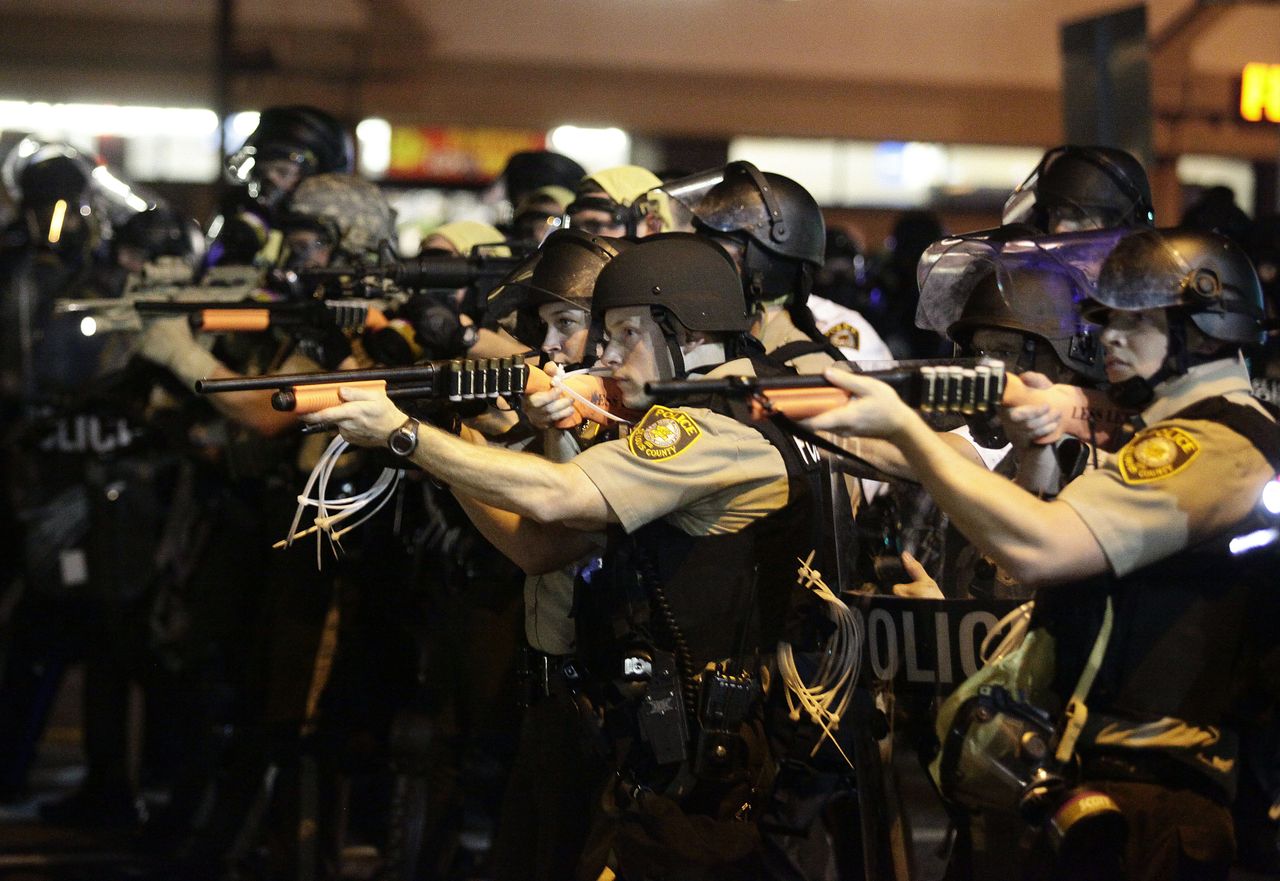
column 692, row 339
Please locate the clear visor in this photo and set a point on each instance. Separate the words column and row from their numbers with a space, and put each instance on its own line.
column 949, row 269
column 1020, row 206
column 687, row 192
column 1145, row 274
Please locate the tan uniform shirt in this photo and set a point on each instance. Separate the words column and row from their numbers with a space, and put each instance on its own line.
column 1178, row 481
column 779, row 331
column 703, row 472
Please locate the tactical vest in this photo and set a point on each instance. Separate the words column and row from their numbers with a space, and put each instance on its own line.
column 706, row 597
column 1189, row 630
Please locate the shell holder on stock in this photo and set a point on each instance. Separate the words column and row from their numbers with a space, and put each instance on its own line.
column 458, row 381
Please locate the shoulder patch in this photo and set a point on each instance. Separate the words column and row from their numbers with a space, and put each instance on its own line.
column 844, row 335
column 1157, row 453
column 663, row 433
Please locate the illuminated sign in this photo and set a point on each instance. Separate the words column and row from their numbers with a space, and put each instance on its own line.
column 456, row 155
column 1260, row 92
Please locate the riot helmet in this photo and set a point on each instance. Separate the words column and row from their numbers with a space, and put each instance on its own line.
column 1040, row 301
column 1015, row 279
column 1077, row 188
column 52, row 185
column 299, row 141
column 349, row 215
column 567, row 265
column 776, row 219
column 533, row 169
column 682, row 278
column 564, row 270
column 1203, row 275
column 1198, row 276
column 156, row 233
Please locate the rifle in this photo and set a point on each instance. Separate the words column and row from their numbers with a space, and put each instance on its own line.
column 459, row 380
column 931, row 388
column 482, row 268
column 214, row 316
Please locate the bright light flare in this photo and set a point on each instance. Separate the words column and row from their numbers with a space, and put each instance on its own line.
column 374, row 137
column 55, row 222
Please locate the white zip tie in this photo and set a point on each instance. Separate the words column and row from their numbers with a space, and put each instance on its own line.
column 1017, row 623
column 331, row 513
column 558, row 382
column 827, row 698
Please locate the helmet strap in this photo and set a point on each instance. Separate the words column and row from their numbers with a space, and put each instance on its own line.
column 664, row 321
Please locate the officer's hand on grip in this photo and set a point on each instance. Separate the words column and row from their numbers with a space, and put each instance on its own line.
column 1029, row 424
column 874, row 410
column 546, row 408
column 366, row 419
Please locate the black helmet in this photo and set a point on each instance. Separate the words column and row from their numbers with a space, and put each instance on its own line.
column 772, row 211
column 1099, row 181
column 1038, row 298
column 160, row 231
column 54, row 188
column 566, row 267
column 1204, row 275
column 530, row 170
column 684, row 274
column 308, row 136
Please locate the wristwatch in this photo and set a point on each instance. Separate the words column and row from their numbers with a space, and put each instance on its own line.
column 404, row 440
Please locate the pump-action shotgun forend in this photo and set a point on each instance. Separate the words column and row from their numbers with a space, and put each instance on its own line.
column 458, row 380
column 964, row 389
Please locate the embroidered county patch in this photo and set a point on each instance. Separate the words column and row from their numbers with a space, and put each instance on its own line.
column 1157, row 453
column 844, row 335
column 662, row 434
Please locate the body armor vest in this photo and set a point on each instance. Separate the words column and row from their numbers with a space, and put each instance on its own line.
column 704, row 598
column 1189, row 630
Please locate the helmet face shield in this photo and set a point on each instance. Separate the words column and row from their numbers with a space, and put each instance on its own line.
column 1035, row 286
column 1205, row 275
column 1081, row 188
column 687, row 192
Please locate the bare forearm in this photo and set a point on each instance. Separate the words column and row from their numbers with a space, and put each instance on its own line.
column 885, row 457
column 1034, row 540
column 518, row 482
column 251, row 409
column 534, row 547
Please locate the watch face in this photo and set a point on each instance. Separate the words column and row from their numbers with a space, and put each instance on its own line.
column 404, row 439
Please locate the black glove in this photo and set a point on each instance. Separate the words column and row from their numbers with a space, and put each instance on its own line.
column 438, row 328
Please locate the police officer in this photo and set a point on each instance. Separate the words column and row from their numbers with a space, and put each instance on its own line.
column 289, row 144
column 1147, row 532
column 1078, row 188
column 621, row 201
column 557, row 772
column 704, row 516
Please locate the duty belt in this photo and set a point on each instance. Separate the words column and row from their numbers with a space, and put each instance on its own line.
column 543, row 675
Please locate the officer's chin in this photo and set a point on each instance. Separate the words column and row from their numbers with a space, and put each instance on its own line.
column 634, row 398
